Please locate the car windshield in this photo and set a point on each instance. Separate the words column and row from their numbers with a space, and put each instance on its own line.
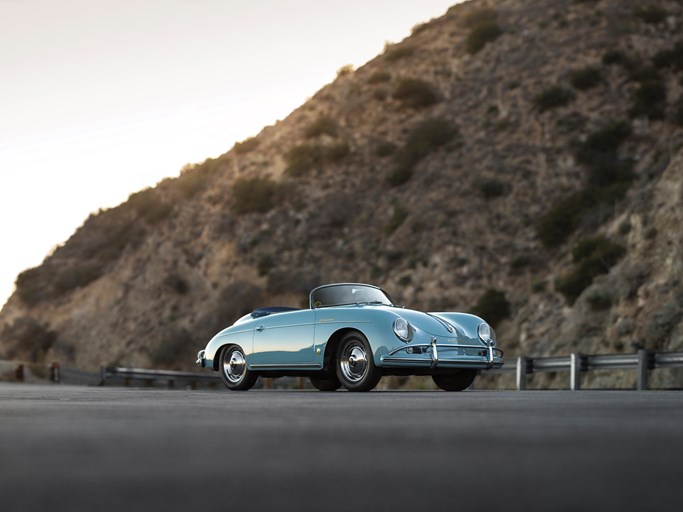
column 345, row 294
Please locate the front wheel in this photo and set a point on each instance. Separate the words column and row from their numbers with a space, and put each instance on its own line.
column 458, row 381
column 234, row 372
column 355, row 367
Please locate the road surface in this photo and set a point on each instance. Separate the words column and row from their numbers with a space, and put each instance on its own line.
column 117, row 449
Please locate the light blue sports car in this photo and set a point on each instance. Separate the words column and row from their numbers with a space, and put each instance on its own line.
column 350, row 335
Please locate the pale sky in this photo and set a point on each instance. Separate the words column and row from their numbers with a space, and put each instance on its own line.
column 100, row 98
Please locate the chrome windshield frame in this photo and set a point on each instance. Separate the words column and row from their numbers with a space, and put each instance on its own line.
column 312, row 303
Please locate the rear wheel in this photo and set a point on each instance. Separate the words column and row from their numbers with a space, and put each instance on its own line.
column 325, row 382
column 355, row 367
column 234, row 372
column 458, row 381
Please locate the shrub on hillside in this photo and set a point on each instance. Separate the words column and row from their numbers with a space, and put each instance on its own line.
column 492, row 306
column 384, row 149
column 254, row 195
column 649, row 100
column 482, row 34
column 553, row 97
column 76, row 275
column 302, row 158
column 190, row 183
column 395, row 52
column 491, row 188
column 427, row 136
column 603, row 143
column 32, row 285
column 650, row 13
column 585, row 78
column 599, row 300
column 643, row 72
column 670, row 57
column 564, row 217
column 614, row 56
column 415, row 93
column 599, row 153
column 108, row 242
column 194, row 178
column 335, row 153
column 177, row 283
column 264, row 264
column 592, row 257
column 149, row 205
column 246, row 146
column 379, row 77
column 28, row 338
column 345, row 70
column 479, row 16
column 324, row 125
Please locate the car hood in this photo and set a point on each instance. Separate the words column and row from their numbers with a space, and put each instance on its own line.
column 430, row 323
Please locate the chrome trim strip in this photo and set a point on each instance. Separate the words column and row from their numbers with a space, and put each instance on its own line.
column 284, row 326
column 447, row 325
column 316, row 366
column 481, row 363
column 443, row 345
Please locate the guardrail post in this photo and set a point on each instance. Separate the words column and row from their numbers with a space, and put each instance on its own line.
column 54, row 372
column 19, row 372
column 103, row 375
column 521, row 373
column 643, row 368
column 575, row 372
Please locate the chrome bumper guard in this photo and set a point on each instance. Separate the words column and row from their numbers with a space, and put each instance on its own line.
column 200, row 358
column 490, row 353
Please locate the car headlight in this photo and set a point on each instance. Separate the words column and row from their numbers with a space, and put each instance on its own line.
column 403, row 330
column 487, row 334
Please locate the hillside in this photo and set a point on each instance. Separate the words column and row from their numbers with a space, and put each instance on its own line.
column 517, row 158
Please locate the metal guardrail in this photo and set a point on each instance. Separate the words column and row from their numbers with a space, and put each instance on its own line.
column 22, row 371
column 642, row 361
column 171, row 378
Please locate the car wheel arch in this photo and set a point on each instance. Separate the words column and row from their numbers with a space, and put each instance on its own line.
column 217, row 357
column 333, row 343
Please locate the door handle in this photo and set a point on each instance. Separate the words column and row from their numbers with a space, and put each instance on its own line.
column 260, row 328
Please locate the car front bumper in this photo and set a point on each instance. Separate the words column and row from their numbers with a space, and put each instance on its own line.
column 443, row 355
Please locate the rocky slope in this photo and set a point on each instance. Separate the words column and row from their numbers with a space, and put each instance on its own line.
column 517, row 158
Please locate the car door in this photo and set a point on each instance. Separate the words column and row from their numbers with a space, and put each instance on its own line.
column 284, row 340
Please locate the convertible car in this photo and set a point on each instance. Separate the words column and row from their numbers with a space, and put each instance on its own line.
column 351, row 335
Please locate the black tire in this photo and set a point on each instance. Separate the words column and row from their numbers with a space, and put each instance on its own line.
column 325, row 382
column 233, row 369
column 354, row 364
column 457, row 381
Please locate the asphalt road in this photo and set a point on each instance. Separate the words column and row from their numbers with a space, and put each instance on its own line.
column 113, row 449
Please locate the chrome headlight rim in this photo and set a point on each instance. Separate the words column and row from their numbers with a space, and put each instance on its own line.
column 486, row 334
column 402, row 329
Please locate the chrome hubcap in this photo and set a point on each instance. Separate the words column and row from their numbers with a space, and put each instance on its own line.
column 354, row 362
column 234, row 367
